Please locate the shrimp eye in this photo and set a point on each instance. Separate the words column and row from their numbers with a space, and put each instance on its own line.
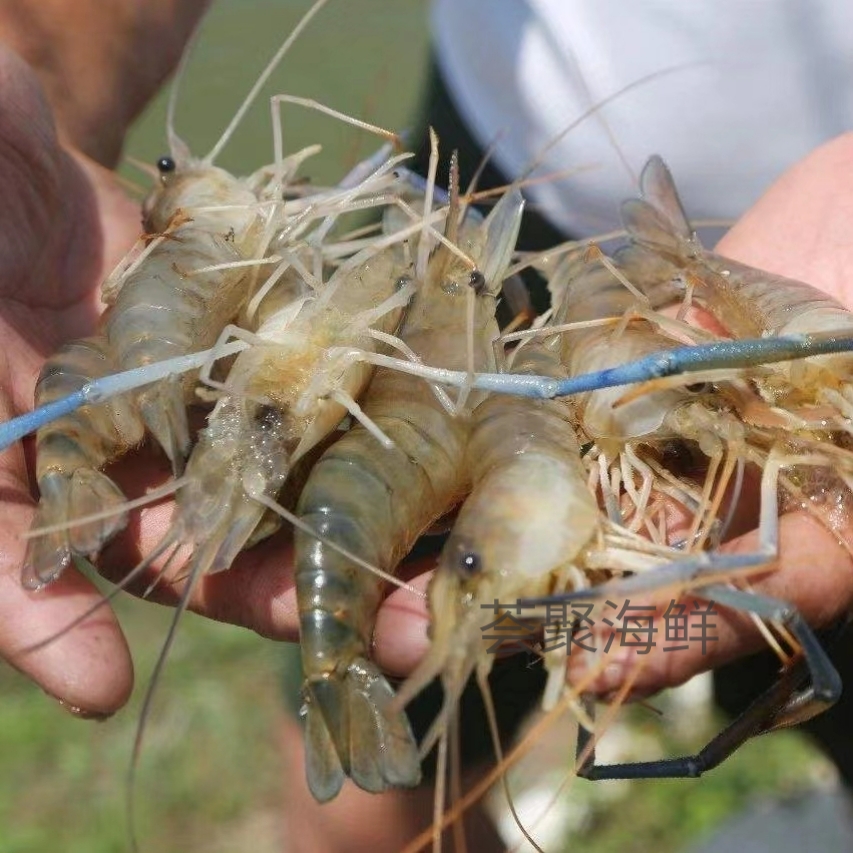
column 166, row 165
column 402, row 281
column 477, row 281
column 470, row 563
column 699, row 387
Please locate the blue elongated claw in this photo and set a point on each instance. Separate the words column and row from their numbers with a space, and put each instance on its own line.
column 748, row 352
column 17, row 428
column 103, row 389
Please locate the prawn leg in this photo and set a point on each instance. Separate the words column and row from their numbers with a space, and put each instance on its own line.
column 755, row 720
column 687, row 361
column 786, row 702
column 809, row 687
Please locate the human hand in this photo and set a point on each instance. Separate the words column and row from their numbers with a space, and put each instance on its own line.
column 52, row 296
column 59, row 188
column 63, row 224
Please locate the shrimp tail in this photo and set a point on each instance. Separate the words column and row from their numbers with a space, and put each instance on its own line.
column 658, row 220
column 350, row 731
column 348, row 702
column 93, row 492
column 86, row 492
column 237, row 529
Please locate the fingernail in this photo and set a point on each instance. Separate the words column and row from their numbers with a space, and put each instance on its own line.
column 84, row 714
column 80, row 713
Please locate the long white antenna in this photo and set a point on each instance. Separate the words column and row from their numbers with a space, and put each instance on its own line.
column 259, row 83
column 177, row 147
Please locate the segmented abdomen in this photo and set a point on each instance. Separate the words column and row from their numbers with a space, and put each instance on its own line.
column 375, row 503
column 93, row 435
column 166, row 310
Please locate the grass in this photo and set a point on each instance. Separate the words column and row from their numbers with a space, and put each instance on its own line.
column 680, row 811
column 364, row 57
column 666, row 815
column 207, row 765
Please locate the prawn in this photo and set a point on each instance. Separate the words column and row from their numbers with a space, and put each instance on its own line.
column 285, row 392
column 529, row 515
column 710, row 420
column 205, row 231
column 746, row 301
column 595, row 287
column 209, row 231
column 529, row 527
column 520, row 455
column 376, row 505
column 276, row 409
column 812, row 399
column 460, row 560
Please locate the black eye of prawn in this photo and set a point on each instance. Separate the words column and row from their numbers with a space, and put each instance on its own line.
column 165, row 165
column 699, row 387
column 477, row 281
column 470, row 563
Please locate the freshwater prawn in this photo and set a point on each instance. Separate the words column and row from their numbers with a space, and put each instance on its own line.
column 530, row 528
column 284, row 395
column 707, row 416
column 746, row 301
column 464, row 569
column 205, row 233
column 812, row 399
column 376, row 502
column 528, row 516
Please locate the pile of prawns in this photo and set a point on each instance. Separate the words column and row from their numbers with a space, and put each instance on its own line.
column 358, row 387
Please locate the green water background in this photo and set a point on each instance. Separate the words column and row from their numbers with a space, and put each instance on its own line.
column 363, row 57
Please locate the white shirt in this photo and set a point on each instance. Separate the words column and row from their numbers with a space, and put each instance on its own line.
column 729, row 92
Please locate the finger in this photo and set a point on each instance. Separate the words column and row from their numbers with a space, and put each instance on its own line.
column 814, row 573
column 88, row 668
column 256, row 592
column 259, row 592
column 401, row 636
